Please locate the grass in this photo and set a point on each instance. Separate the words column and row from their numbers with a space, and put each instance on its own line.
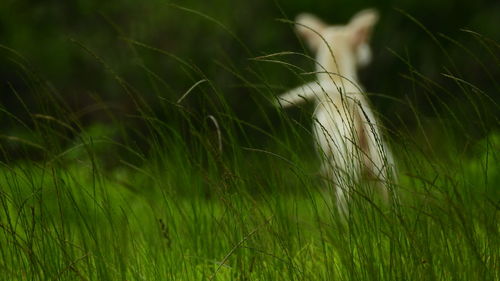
column 197, row 193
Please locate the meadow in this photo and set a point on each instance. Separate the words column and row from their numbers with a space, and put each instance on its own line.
column 197, row 184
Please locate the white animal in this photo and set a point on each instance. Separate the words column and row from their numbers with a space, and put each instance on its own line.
column 345, row 128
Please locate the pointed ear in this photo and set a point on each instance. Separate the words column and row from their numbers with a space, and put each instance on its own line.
column 309, row 27
column 361, row 26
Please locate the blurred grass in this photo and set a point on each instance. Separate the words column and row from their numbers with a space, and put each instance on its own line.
column 53, row 36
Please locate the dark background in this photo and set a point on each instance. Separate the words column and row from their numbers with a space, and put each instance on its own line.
column 79, row 54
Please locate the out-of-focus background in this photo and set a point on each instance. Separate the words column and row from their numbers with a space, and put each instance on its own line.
column 159, row 49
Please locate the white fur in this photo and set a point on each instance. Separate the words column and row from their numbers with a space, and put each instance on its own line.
column 345, row 127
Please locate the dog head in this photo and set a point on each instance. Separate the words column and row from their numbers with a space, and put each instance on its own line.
column 339, row 48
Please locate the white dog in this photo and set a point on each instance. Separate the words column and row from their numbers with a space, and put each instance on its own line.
column 345, row 127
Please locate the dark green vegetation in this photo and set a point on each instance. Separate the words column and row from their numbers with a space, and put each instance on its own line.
column 137, row 142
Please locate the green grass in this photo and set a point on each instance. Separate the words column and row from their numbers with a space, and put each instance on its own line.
column 73, row 223
column 197, row 193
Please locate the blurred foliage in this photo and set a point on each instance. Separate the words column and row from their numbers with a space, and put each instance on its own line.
column 82, row 46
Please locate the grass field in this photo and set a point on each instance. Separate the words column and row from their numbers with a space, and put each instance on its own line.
column 205, row 195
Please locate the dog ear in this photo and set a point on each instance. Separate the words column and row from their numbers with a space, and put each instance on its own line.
column 361, row 26
column 309, row 27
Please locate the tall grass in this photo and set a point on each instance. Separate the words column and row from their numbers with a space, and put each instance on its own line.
column 194, row 192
